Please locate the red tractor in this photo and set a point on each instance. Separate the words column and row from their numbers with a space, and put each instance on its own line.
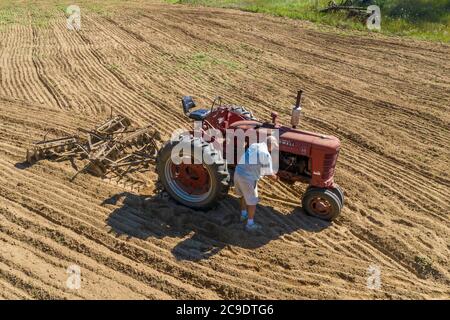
column 204, row 180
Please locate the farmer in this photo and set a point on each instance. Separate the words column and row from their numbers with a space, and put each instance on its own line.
column 255, row 163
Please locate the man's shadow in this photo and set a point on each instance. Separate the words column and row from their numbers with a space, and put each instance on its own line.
column 207, row 232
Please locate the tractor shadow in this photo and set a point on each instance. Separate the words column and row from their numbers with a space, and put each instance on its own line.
column 23, row 165
column 204, row 233
column 26, row 165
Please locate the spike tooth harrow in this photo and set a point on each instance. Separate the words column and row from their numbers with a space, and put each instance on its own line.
column 112, row 147
column 114, row 125
column 50, row 148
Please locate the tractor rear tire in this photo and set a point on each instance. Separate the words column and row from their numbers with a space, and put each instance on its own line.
column 322, row 203
column 198, row 186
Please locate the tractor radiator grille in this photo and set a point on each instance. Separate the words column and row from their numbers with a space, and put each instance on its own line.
column 328, row 165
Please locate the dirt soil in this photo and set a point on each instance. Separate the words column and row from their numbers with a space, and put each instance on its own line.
column 387, row 99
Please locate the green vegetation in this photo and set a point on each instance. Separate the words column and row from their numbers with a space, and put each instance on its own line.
column 112, row 67
column 40, row 13
column 203, row 61
column 424, row 19
column 424, row 267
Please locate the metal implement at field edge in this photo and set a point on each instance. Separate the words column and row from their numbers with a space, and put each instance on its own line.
column 346, row 5
column 112, row 147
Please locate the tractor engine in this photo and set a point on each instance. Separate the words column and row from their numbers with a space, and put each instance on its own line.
column 294, row 164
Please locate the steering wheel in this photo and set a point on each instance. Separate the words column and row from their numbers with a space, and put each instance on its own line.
column 217, row 99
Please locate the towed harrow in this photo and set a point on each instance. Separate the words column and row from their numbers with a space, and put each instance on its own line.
column 112, row 150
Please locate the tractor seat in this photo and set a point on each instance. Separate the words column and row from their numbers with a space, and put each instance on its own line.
column 199, row 114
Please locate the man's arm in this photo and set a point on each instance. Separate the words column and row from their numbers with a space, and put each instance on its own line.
column 267, row 167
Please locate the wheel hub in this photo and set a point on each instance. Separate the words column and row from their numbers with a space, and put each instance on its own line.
column 192, row 178
column 321, row 206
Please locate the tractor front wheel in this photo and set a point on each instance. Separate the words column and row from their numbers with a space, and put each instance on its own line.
column 337, row 190
column 322, row 203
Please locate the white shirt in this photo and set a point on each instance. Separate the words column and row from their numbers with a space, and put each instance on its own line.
column 255, row 162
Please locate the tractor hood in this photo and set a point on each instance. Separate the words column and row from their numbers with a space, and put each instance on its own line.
column 294, row 140
column 300, row 142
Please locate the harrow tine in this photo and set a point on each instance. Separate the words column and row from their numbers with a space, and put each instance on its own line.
column 79, row 171
column 49, row 148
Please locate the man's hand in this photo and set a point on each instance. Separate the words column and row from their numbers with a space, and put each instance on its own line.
column 273, row 177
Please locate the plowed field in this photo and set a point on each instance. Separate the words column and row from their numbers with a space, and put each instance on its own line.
column 386, row 98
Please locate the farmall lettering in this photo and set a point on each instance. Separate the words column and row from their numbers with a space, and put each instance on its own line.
column 302, row 148
column 287, row 143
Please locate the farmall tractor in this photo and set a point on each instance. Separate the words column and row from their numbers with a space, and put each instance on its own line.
column 206, row 177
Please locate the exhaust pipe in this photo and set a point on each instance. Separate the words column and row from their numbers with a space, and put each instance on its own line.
column 296, row 110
